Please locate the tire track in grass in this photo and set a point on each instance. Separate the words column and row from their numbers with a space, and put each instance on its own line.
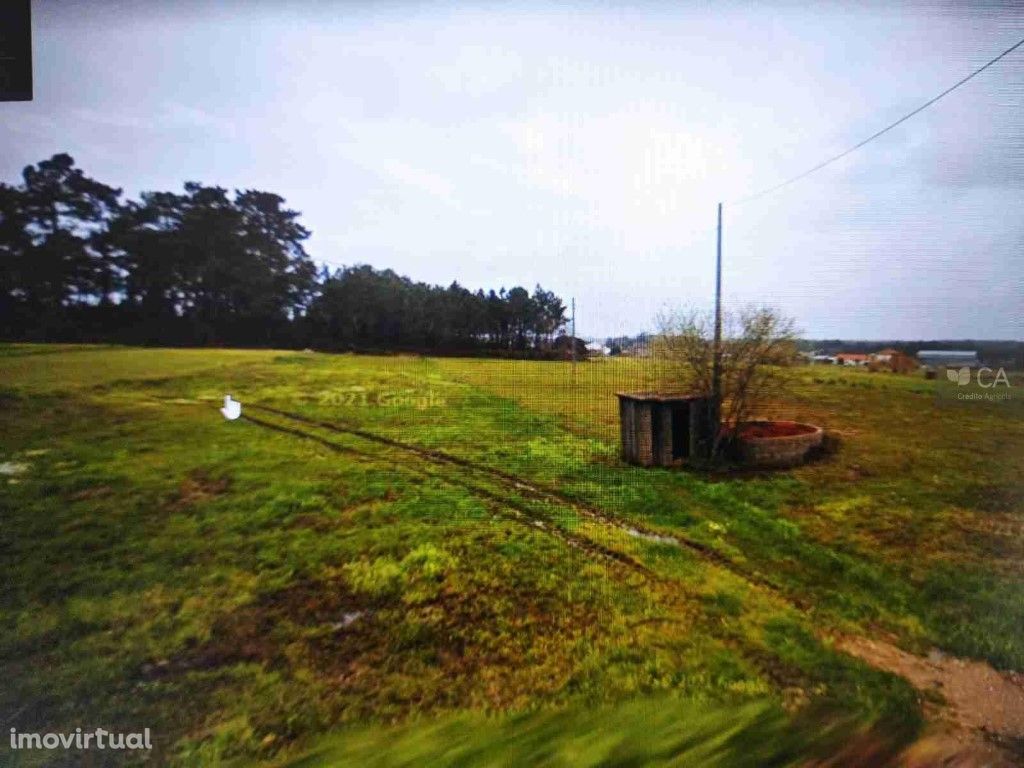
column 539, row 491
column 546, row 493
column 519, row 512
column 970, row 744
column 783, row 675
column 522, row 514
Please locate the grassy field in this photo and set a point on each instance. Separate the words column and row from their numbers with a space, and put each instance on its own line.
column 410, row 561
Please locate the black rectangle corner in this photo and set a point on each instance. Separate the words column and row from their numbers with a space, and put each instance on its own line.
column 16, row 50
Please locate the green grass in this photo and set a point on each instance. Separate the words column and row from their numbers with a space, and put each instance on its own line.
column 288, row 584
column 657, row 732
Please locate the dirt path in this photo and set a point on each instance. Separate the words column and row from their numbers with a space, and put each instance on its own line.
column 539, row 492
column 518, row 512
column 981, row 722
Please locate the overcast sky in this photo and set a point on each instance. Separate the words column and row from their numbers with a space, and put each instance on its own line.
column 583, row 148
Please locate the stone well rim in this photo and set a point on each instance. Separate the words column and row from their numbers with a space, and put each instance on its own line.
column 807, row 431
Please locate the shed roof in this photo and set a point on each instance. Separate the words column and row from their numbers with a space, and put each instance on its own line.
column 658, row 397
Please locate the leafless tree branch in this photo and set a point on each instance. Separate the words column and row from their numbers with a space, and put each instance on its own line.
column 757, row 342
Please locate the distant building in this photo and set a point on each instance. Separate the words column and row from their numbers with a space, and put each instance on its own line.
column 852, row 358
column 952, row 358
column 597, row 349
column 884, row 355
column 894, row 360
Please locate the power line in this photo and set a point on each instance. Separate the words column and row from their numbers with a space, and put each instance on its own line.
column 874, row 136
column 839, row 156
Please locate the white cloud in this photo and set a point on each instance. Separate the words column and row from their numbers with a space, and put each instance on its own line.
column 195, row 117
column 477, row 70
column 583, row 147
column 434, row 185
column 109, row 118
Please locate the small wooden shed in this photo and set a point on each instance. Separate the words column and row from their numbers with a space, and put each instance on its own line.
column 660, row 430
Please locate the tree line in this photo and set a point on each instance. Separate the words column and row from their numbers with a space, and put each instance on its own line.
column 79, row 262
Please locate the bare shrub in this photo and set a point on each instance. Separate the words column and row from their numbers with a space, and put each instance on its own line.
column 757, row 343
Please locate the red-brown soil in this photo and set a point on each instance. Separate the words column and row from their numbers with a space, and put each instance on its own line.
column 762, row 429
column 983, row 712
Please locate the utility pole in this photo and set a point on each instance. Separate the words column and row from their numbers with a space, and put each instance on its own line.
column 572, row 337
column 716, row 366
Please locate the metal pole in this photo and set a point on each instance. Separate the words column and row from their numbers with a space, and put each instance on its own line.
column 716, row 368
column 572, row 339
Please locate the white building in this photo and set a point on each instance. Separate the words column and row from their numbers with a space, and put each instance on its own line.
column 954, row 358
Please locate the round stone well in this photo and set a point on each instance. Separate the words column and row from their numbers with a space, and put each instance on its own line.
column 776, row 444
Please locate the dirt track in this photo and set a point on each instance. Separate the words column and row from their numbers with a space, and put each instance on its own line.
column 538, row 492
column 983, row 715
column 980, row 724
